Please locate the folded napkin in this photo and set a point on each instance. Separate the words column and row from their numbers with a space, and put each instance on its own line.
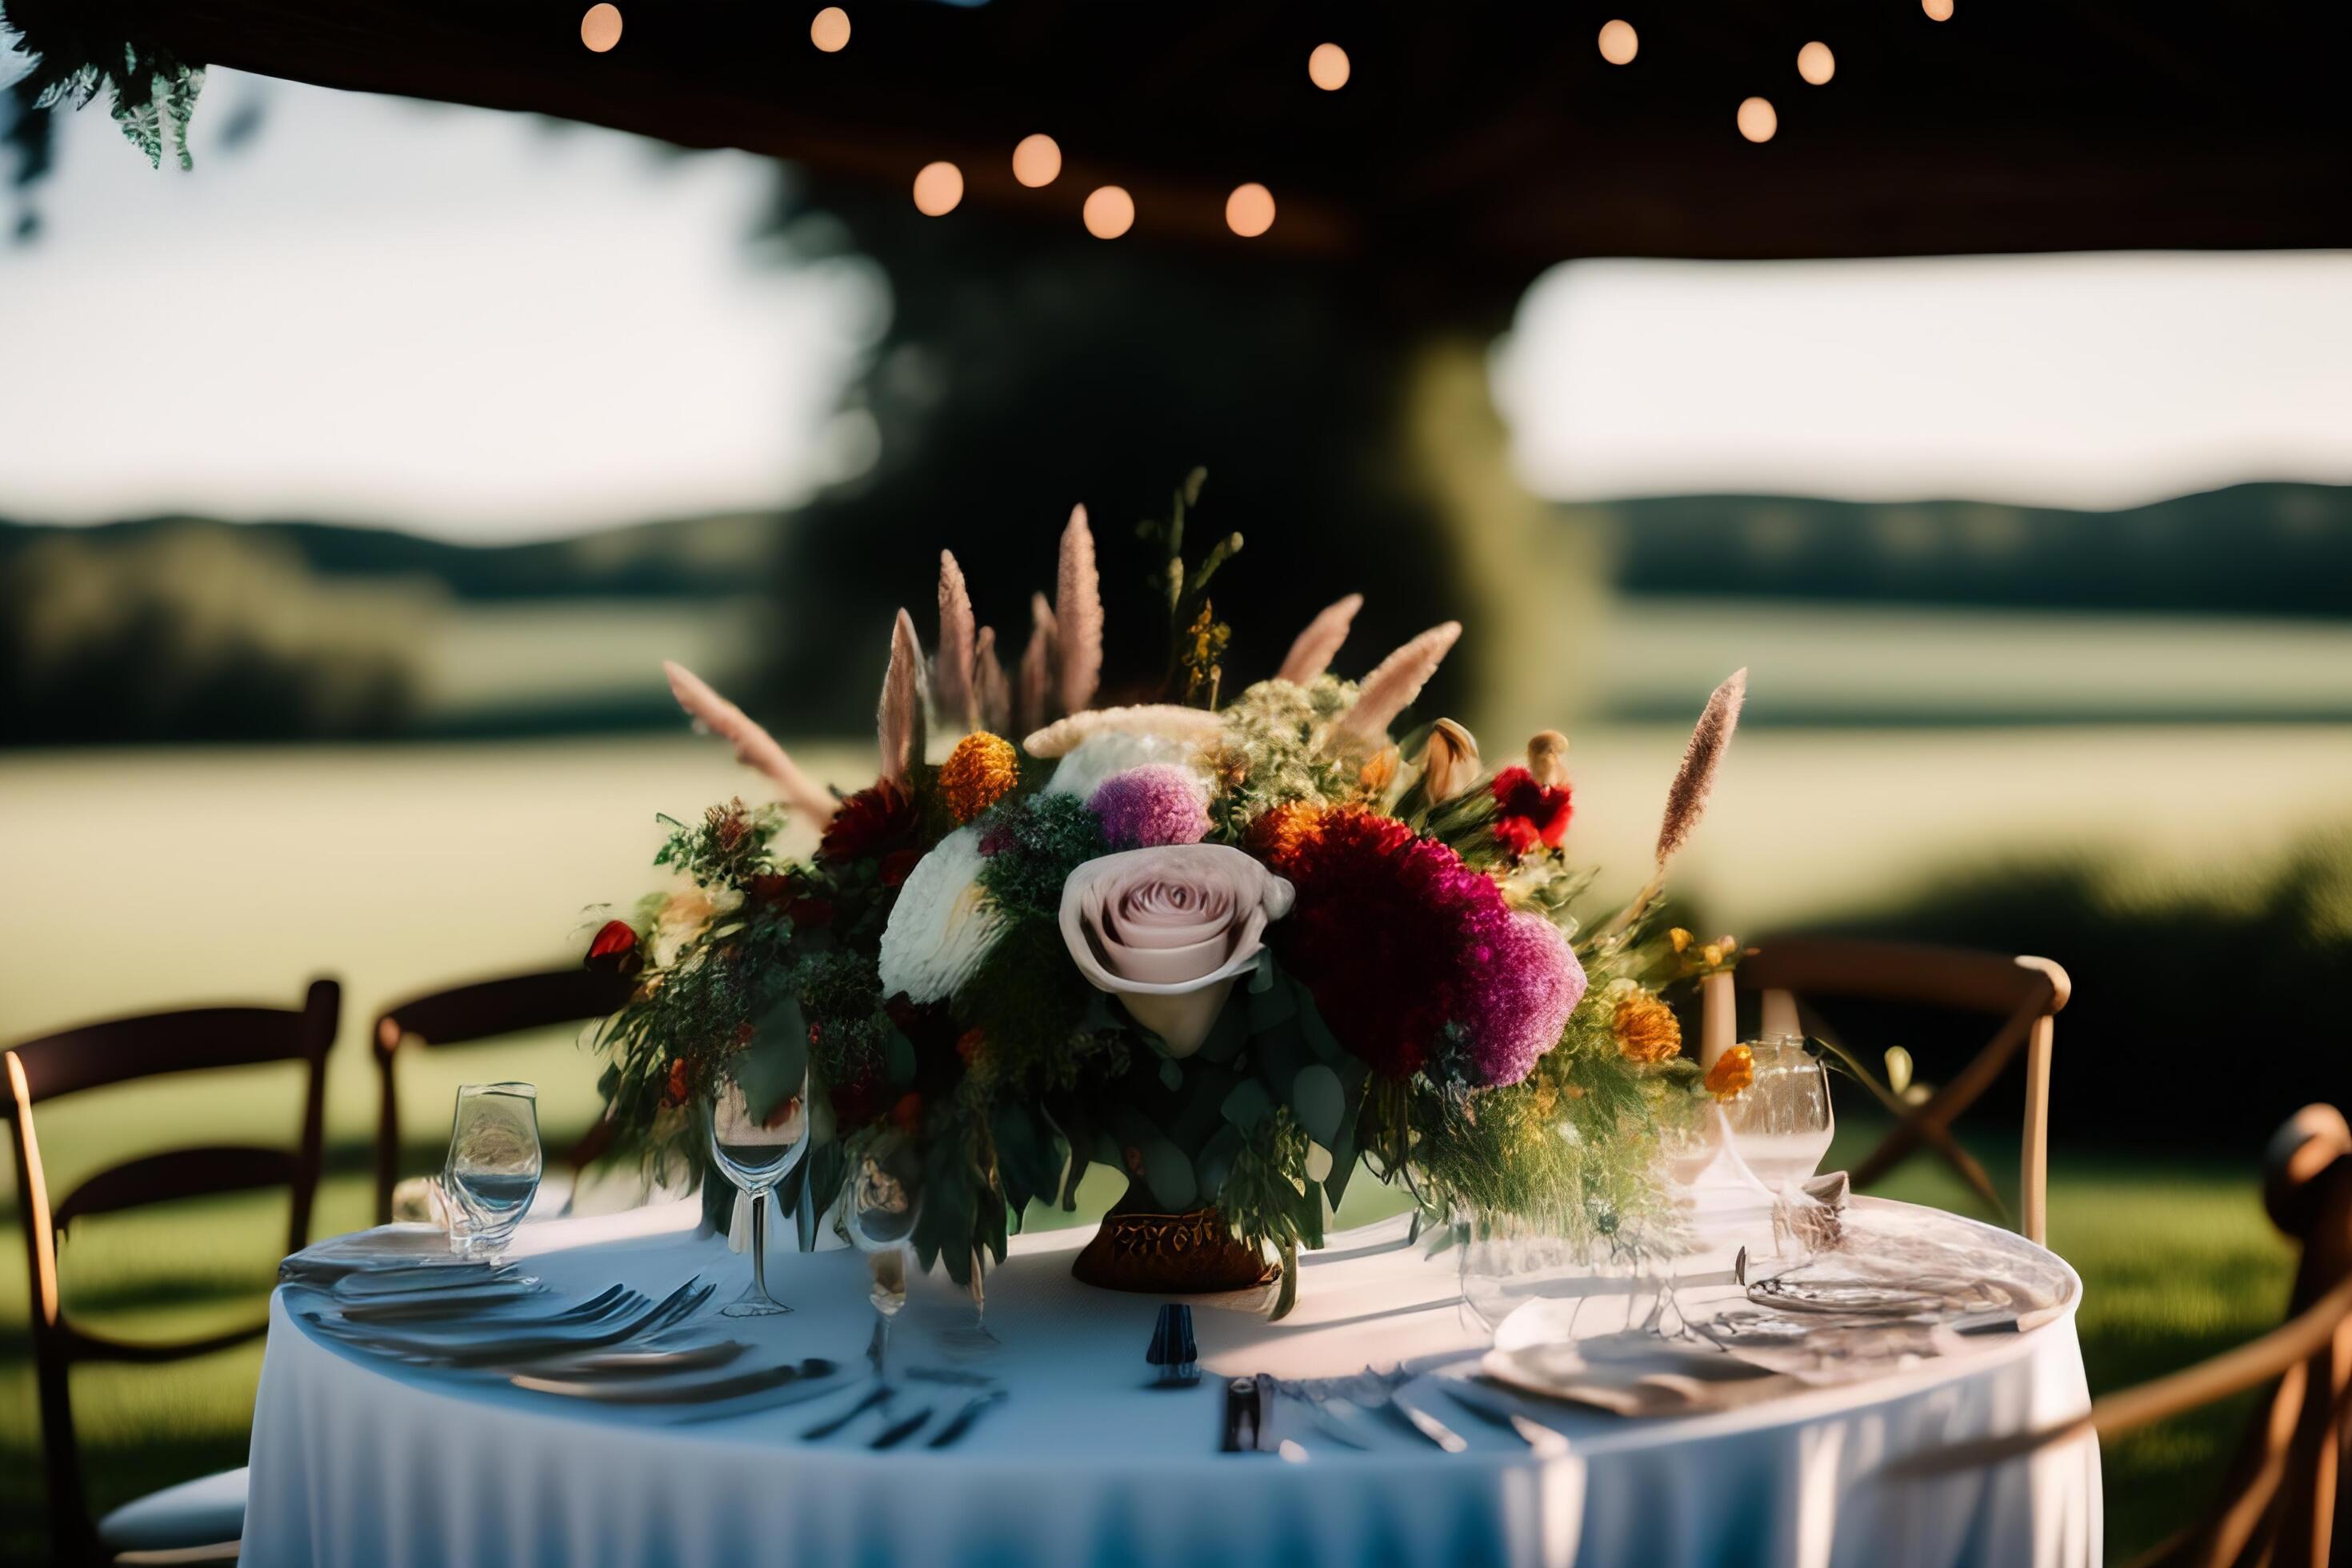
column 1636, row 1374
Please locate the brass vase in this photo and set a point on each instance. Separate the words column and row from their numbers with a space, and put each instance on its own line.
column 1189, row 1254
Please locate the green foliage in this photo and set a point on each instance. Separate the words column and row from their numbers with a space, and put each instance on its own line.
column 1196, row 638
column 80, row 50
column 1038, row 841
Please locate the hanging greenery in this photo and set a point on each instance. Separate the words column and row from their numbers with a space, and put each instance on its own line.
column 80, row 48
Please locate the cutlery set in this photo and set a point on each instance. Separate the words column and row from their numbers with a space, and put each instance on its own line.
column 618, row 1347
column 1358, row 1412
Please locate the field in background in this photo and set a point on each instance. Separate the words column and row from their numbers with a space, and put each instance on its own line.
column 145, row 878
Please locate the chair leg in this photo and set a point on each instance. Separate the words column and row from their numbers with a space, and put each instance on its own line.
column 2033, row 1191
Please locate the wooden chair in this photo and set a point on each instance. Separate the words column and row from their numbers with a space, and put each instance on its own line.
column 2025, row 994
column 199, row 1521
column 2281, row 1503
column 486, row 1010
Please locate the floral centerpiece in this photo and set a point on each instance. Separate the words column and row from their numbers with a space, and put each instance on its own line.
column 1238, row 949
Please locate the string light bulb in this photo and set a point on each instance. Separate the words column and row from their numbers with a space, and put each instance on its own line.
column 600, row 29
column 1816, row 64
column 1249, row 211
column 1758, row 119
column 1036, row 161
column 1110, row 212
column 1619, row 43
column 830, row 30
column 938, row 188
column 1938, row 10
column 1327, row 68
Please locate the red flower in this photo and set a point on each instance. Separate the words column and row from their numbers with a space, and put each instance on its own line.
column 869, row 823
column 899, row 865
column 811, row 913
column 675, row 1092
column 615, row 947
column 860, row 1100
column 907, row 1114
column 1531, row 812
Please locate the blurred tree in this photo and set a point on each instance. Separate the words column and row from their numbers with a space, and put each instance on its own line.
column 1345, row 434
column 195, row 634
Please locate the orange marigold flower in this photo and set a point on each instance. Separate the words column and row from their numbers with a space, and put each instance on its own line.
column 1732, row 1071
column 980, row 771
column 1646, row 1027
column 1281, row 832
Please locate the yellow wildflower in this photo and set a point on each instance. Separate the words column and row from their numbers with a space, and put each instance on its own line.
column 1712, row 953
column 981, row 770
column 1680, row 938
column 1646, row 1027
column 1732, row 1073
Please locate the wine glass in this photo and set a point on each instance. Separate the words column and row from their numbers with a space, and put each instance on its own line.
column 1689, row 1140
column 494, row 1162
column 880, row 1219
column 1505, row 1260
column 1780, row 1125
column 756, row 1152
column 974, row 1338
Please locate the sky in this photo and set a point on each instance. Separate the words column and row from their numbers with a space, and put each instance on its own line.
column 490, row 327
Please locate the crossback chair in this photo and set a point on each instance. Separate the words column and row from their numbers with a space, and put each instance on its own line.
column 2281, row 1504
column 471, row 1014
column 2025, row 994
column 198, row 1521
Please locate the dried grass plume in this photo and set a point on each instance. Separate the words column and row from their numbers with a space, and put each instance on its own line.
column 1036, row 695
column 1316, row 647
column 953, row 666
column 1393, row 685
column 899, row 722
column 755, row 747
column 1078, row 617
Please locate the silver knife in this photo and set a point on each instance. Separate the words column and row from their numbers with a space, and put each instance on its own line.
column 1428, row 1425
column 963, row 1418
column 905, row 1429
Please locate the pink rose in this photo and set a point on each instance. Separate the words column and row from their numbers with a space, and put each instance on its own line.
column 1168, row 929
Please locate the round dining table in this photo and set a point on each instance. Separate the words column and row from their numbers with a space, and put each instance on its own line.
column 363, row 1459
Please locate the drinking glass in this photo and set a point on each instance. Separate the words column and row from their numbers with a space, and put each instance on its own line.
column 1689, row 1140
column 1780, row 1127
column 1505, row 1261
column 756, row 1154
column 880, row 1219
column 494, row 1162
column 974, row 1338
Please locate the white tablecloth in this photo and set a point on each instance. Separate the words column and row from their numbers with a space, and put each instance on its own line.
column 359, row 1460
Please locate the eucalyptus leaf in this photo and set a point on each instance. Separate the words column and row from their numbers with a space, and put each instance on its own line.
column 774, row 1066
column 1248, row 1105
column 1320, row 1102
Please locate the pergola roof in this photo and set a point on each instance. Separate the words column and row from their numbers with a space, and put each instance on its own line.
column 1474, row 144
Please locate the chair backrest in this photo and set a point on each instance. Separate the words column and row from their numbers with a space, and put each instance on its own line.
column 2282, row 1505
column 120, row 1051
column 2024, row 993
column 468, row 1015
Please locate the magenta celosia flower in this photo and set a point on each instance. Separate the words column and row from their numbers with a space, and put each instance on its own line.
column 1150, row 806
column 1400, row 940
column 1518, row 999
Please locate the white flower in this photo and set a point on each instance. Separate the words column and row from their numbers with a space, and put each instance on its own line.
column 1108, row 751
column 942, row 925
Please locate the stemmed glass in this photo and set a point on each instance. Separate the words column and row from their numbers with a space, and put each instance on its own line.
column 1687, row 1144
column 494, row 1162
column 755, row 1153
column 1780, row 1126
column 1505, row 1261
column 974, row 1338
column 880, row 1219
